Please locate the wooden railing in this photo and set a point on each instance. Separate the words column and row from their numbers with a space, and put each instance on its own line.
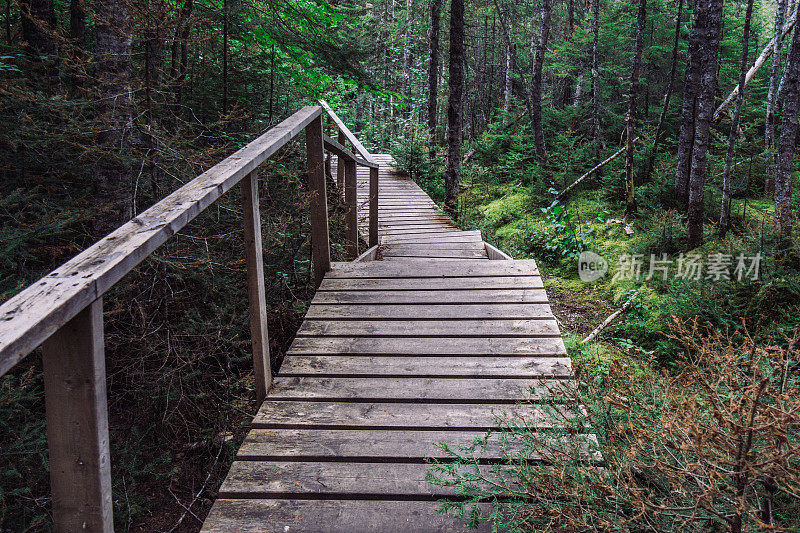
column 63, row 311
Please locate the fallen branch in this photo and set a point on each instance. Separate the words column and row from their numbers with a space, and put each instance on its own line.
column 765, row 54
column 609, row 320
column 596, row 168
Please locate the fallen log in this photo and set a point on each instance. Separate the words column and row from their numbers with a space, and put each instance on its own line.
column 609, row 320
column 593, row 170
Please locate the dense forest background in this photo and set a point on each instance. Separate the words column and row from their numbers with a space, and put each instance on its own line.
column 495, row 108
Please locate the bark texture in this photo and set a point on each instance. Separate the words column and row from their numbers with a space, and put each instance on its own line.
column 709, row 36
column 536, row 83
column 630, row 119
column 113, row 58
column 772, row 97
column 433, row 73
column 787, row 144
column 691, row 86
column 456, row 69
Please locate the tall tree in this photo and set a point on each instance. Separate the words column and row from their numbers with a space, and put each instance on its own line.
column 38, row 22
column 691, row 86
column 433, row 73
column 670, row 84
column 596, row 131
column 772, row 96
column 536, row 83
column 786, row 145
column 725, row 210
column 709, row 30
column 77, row 21
column 630, row 119
column 454, row 108
column 113, row 57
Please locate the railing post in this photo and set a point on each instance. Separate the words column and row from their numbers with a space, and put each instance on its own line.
column 259, row 332
column 351, row 200
column 320, row 240
column 341, row 139
column 373, row 207
column 73, row 359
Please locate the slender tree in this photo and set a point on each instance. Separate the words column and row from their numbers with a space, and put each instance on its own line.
column 786, row 145
column 691, row 86
column 630, row 119
column 772, row 96
column 725, row 210
column 433, row 73
column 536, row 83
column 113, row 56
column 709, row 36
column 596, row 131
column 38, row 23
column 454, row 106
column 77, row 21
column 668, row 96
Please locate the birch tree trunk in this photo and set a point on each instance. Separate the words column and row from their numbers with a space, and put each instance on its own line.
column 630, row 120
column 709, row 37
column 725, row 210
column 786, row 146
column 772, row 96
column 456, row 70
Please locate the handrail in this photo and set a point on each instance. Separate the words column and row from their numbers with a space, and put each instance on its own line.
column 347, row 133
column 63, row 311
column 337, row 149
column 34, row 314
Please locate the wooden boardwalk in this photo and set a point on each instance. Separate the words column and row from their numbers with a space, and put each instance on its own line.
column 429, row 343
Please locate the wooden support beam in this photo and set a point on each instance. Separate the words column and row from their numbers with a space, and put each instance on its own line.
column 74, row 365
column 259, row 332
column 350, row 198
column 373, row 206
column 339, row 165
column 347, row 133
column 337, row 149
column 320, row 239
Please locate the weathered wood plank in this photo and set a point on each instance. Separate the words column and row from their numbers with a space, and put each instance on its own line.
column 377, row 415
column 74, row 367
column 390, row 446
column 422, row 347
column 398, row 366
column 347, row 133
column 431, row 296
column 429, row 328
column 432, row 284
column 485, row 311
column 456, row 390
column 37, row 312
column 331, row 516
column 277, row 479
column 466, row 268
column 440, row 253
column 318, row 201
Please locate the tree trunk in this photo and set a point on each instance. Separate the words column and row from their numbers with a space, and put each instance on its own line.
column 536, row 84
column 77, row 22
column 224, row 57
column 691, row 86
column 508, row 87
column 456, row 69
column 786, row 146
column 596, row 131
column 630, row 120
column 772, row 96
column 725, row 210
column 433, row 73
column 113, row 55
column 709, row 30
column 668, row 96
column 38, row 20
